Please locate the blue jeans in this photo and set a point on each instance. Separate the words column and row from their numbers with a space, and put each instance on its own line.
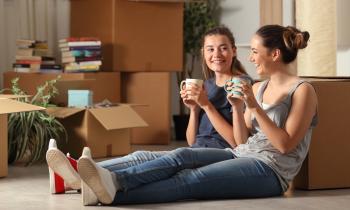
column 132, row 159
column 195, row 173
column 139, row 157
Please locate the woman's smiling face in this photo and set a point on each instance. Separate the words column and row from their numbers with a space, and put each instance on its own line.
column 218, row 53
column 260, row 55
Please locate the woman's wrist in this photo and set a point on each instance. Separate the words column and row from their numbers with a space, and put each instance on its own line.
column 238, row 109
column 194, row 109
column 206, row 107
column 255, row 110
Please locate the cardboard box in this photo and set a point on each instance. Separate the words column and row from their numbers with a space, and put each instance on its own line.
column 327, row 164
column 105, row 130
column 152, row 89
column 136, row 36
column 8, row 106
column 104, row 85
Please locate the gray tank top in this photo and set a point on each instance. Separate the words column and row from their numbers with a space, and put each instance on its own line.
column 259, row 147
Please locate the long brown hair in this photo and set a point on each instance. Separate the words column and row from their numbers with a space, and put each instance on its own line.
column 236, row 64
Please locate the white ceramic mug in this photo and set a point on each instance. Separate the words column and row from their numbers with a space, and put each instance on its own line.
column 188, row 81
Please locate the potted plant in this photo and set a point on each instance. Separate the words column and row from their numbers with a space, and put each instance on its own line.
column 198, row 18
column 29, row 132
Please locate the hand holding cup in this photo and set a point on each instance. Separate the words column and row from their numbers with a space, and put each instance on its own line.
column 234, row 86
column 190, row 91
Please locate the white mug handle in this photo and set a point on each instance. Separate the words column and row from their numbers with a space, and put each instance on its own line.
column 182, row 84
column 226, row 86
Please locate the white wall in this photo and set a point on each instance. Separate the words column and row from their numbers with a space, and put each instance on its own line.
column 243, row 18
column 288, row 11
column 343, row 38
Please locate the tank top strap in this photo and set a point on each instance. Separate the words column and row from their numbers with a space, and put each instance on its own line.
column 314, row 121
column 293, row 89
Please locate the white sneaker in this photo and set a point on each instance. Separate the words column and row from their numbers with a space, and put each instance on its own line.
column 88, row 196
column 60, row 165
column 100, row 180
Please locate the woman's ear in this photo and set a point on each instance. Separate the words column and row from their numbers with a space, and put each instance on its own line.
column 234, row 50
column 276, row 54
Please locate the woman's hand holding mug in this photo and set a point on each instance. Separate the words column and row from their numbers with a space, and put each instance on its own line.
column 239, row 90
column 192, row 92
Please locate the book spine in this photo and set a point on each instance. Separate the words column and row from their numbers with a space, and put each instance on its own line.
column 81, row 48
column 78, row 44
column 82, row 53
column 32, row 58
column 80, row 59
column 77, row 39
column 28, row 62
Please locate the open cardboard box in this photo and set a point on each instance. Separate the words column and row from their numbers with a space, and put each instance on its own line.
column 106, row 130
column 327, row 163
column 7, row 106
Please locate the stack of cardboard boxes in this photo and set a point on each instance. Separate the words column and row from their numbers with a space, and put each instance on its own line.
column 144, row 41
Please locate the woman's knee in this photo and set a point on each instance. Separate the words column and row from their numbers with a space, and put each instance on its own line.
column 140, row 155
column 137, row 153
column 183, row 151
column 182, row 154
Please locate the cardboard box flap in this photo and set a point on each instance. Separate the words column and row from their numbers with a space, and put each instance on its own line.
column 63, row 112
column 118, row 117
column 12, row 106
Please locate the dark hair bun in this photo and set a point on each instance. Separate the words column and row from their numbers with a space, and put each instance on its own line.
column 294, row 38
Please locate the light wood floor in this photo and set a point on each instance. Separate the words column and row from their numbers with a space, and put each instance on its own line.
column 28, row 188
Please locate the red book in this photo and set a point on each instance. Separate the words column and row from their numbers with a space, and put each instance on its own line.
column 28, row 62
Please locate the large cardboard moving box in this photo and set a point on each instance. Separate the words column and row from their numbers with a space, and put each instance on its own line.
column 136, row 36
column 104, row 85
column 8, row 106
column 327, row 164
column 105, row 130
column 152, row 89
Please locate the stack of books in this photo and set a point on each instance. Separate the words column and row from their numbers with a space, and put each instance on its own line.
column 81, row 54
column 33, row 56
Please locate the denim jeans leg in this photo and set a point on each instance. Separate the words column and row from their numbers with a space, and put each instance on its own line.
column 169, row 164
column 235, row 178
column 132, row 159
